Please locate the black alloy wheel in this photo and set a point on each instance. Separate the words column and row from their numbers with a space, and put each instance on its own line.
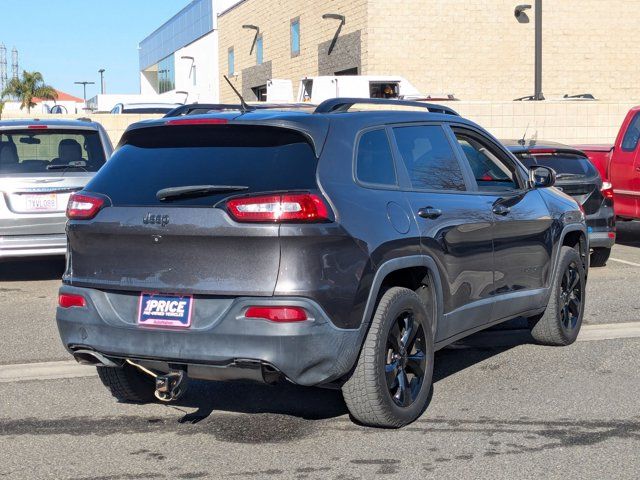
column 406, row 361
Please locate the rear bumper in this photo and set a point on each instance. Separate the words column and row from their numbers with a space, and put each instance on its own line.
column 32, row 245
column 602, row 239
column 307, row 353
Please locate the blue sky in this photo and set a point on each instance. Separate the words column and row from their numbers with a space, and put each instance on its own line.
column 70, row 40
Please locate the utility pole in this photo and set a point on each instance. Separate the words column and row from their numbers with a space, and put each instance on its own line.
column 538, row 62
column 102, row 89
column 84, row 89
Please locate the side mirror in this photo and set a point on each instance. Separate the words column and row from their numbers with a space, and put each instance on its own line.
column 541, row 176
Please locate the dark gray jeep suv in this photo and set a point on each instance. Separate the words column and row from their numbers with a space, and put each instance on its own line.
column 334, row 248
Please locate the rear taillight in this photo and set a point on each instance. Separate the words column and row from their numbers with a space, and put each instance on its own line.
column 607, row 190
column 68, row 300
column 277, row 314
column 83, row 207
column 304, row 207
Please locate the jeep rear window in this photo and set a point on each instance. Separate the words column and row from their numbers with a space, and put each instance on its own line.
column 563, row 163
column 26, row 151
column 264, row 159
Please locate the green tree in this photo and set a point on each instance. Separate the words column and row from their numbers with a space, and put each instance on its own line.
column 1, row 107
column 30, row 86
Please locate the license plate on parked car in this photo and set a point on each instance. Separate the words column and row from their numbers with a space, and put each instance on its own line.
column 41, row 202
column 160, row 310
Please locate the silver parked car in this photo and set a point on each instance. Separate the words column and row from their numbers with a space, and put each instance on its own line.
column 41, row 164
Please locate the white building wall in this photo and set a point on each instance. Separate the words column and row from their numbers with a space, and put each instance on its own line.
column 204, row 51
column 205, row 59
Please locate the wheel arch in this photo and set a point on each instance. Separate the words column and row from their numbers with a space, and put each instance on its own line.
column 574, row 236
column 404, row 272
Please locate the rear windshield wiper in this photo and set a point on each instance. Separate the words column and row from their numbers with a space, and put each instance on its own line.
column 64, row 166
column 191, row 191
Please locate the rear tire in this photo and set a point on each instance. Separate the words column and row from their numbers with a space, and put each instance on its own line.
column 127, row 384
column 560, row 323
column 599, row 256
column 392, row 379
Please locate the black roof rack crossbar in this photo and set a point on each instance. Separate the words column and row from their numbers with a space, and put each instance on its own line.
column 334, row 105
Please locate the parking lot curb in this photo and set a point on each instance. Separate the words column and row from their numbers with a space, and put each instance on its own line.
column 44, row 371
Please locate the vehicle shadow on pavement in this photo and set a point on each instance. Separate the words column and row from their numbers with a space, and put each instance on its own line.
column 628, row 233
column 309, row 403
column 37, row 268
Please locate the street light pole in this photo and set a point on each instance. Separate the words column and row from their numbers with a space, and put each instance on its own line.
column 84, row 89
column 101, row 72
column 538, row 62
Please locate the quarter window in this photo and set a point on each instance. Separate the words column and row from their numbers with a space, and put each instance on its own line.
column 491, row 173
column 374, row 163
column 429, row 158
column 631, row 137
column 295, row 37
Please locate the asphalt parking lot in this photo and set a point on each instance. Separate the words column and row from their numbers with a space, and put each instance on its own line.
column 517, row 411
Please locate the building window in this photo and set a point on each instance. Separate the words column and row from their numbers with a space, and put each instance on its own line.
column 166, row 74
column 231, row 62
column 259, row 52
column 295, row 37
column 260, row 93
column 193, row 75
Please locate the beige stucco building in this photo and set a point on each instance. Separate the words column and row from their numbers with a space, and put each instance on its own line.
column 475, row 49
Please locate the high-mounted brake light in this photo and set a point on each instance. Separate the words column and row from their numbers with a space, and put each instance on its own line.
column 277, row 314
column 37, row 127
column 305, row 207
column 607, row 190
column 68, row 300
column 197, row 121
column 83, row 207
column 542, row 151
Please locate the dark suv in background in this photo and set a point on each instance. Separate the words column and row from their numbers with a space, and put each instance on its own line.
column 333, row 248
column 576, row 176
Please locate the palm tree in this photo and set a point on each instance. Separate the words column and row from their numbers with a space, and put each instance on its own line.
column 2, row 102
column 30, row 86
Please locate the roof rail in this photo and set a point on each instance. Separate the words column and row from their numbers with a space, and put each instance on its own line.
column 334, row 105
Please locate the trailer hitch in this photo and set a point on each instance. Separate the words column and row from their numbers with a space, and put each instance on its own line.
column 169, row 386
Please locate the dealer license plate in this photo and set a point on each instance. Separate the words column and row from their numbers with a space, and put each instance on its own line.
column 158, row 310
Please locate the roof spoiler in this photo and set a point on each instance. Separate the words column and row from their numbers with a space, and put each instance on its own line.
column 335, row 105
column 199, row 108
column 196, row 108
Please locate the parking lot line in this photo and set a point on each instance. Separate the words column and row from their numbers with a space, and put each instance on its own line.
column 71, row 369
column 626, row 262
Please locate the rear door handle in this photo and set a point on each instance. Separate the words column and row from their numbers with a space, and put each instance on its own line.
column 430, row 213
column 501, row 210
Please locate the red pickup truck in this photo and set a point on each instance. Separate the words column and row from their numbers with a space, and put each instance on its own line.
column 619, row 165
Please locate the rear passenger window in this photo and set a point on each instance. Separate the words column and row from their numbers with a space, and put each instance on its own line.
column 630, row 140
column 375, row 162
column 429, row 158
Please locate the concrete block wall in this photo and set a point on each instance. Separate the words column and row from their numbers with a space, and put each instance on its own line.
column 568, row 122
column 475, row 49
